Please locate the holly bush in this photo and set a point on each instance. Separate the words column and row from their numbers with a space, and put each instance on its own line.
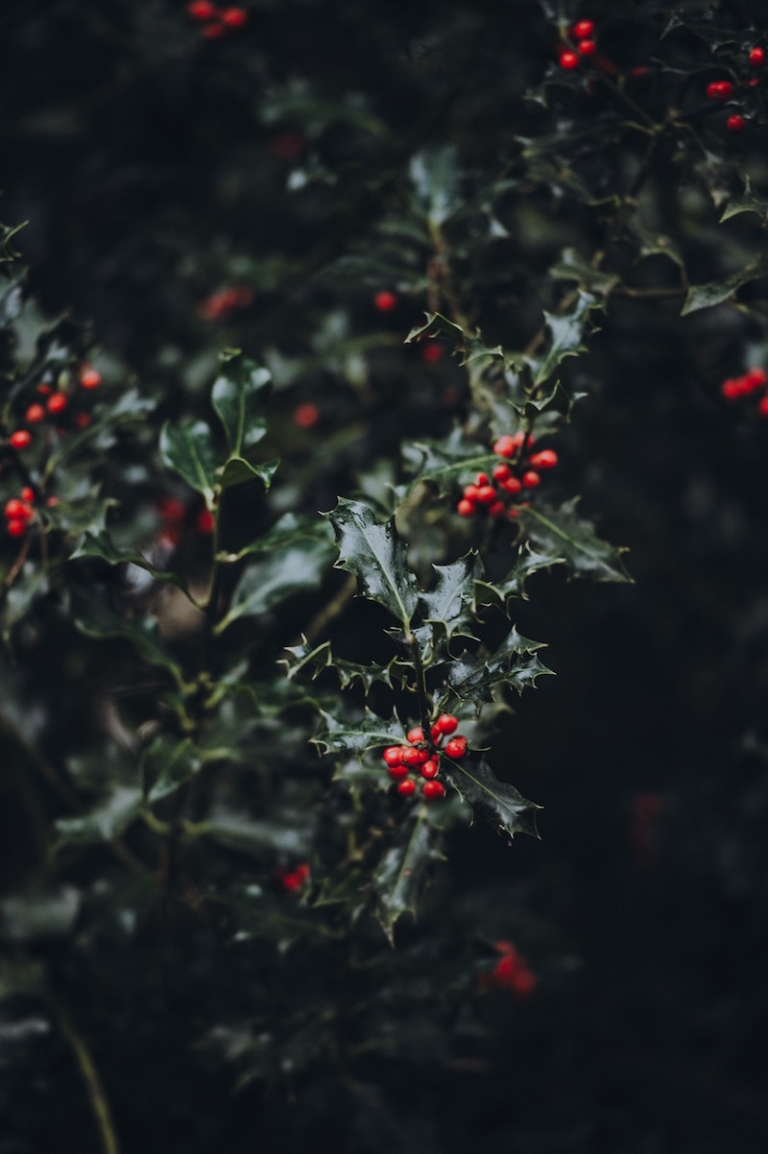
column 350, row 336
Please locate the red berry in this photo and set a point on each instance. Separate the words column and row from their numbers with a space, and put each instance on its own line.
column 430, row 769
column 546, row 459
column 720, row 90
column 83, row 420
column 735, row 124
column 505, row 446
column 57, row 403
column 414, row 757
column 583, row 29
column 306, row 415
column 497, row 509
column 234, row 17
column 214, row 31
column 393, row 755
column 28, row 494
column 568, row 60
column 465, row 508
column 734, row 387
column 432, row 790
column 502, row 473
column 385, row 301
column 90, row 378
column 16, row 508
column 205, row 522
column 512, row 485
column 482, row 479
column 756, row 377
column 406, row 788
column 587, row 47
column 757, row 57
column 21, row 439
column 470, row 492
column 201, row 11
column 456, row 747
column 34, row 414
column 415, row 734
column 52, row 502
column 397, row 772
column 432, row 353
column 486, row 494
column 763, row 406
column 172, row 510
column 446, row 723
column 44, row 390
column 17, row 527
column 531, row 479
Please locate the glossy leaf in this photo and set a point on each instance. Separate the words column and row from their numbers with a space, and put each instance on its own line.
column 404, row 869
column 187, row 448
column 494, row 800
column 358, row 736
column 267, row 583
column 377, row 557
column 563, row 536
column 435, row 176
column 566, row 333
column 237, row 470
column 108, row 817
column 449, row 603
column 167, row 764
column 95, row 618
column 101, row 545
column 706, row 296
column 240, row 397
column 514, row 662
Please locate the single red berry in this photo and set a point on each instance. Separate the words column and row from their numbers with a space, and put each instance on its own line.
column 735, row 124
column 430, row 769
column 52, row 502
column 432, row 790
column 465, row 508
column 28, row 494
column 21, row 439
column 437, row 735
column 16, row 508
column 733, row 388
column 34, row 414
column 486, row 494
column 385, row 301
column 83, row 420
column 205, row 521
column 17, row 527
column 531, row 479
column 568, row 60
column 414, row 757
column 505, row 446
column 306, row 415
column 720, row 90
column 214, row 31
column 470, row 492
column 497, row 509
column 639, row 73
column 512, row 485
column 432, row 353
column 172, row 510
column 44, row 390
column 546, row 459
column 583, row 29
column 234, row 17
column 397, row 772
column 763, row 406
column 753, row 82
column 502, row 473
column 756, row 377
column 57, row 403
column 757, row 57
column 587, row 47
column 393, row 754
column 90, row 378
column 446, row 723
column 201, row 11
column 406, row 788
column 456, row 747
column 415, row 734
column 513, row 514
column 482, row 479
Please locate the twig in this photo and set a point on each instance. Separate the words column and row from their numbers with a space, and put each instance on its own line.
column 94, row 1086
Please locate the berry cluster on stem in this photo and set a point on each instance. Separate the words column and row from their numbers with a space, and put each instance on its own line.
column 216, row 21
column 750, row 382
column 422, row 755
column 516, row 474
column 581, row 44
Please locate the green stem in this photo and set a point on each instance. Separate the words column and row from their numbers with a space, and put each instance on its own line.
column 421, row 687
column 94, row 1086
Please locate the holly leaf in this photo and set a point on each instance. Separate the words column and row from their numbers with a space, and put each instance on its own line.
column 314, row 660
column 449, row 604
column 571, row 266
column 240, row 397
column 562, row 536
column 566, row 336
column 715, row 35
column 402, row 873
column 101, row 545
column 436, row 325
column 434, row 173
column 358, row 736
column 706, row 296
column 187, row 448
column 108, row 818
column 377, row 557
column 749, row 202
column 167, row 764
column 237, row 470
column 288, row 530
column 513, row 663
column 494, row 800
column 281, row 574
column 95, row 618
column 513, row 585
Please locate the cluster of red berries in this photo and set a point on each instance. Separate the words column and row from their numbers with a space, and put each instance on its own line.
column 511, row 972
column 292, row 880
column 19, row 512
column 224, row 302
column 56, row 402
column 723, row 90
column 216, row 21
column 583, row 36
column 423, row 755
column 751, row 381
column 511, row 479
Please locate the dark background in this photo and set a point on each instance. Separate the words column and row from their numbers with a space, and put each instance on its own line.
column 138, row 155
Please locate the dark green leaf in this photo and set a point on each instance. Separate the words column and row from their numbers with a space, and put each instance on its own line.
column 403, row 871
column 108, row 818
column 129, row 407
column 513, row 663
column 749, row 202
column 513, row 585
column 167, row 764
column 260, row 915
column 376, row 555
column 566, row 334
column 314, row 660
column 572, row 267
column 450, row 603
column 237, row 470
column 278, row 576
column 436, row 325
column 187, row 448
column 369, row 732
column 240, row 397
column 101, row 545
column 705, row 296
column 288, row 530
column 492, row 799
column 39, row 915
column 562, row 536
column 435, row 176
column 95, row 618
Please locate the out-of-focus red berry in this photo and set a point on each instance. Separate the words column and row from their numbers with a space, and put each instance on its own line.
column 432, row 353
column 385, row 301
column 568, row 59
column 306, row 415
column 583, row 29
column 90, row 378
column 57, row 403
column 21, row 439
column 205, row 522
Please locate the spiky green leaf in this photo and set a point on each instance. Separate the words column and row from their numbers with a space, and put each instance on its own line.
column 404, row 869
column 494, row 800
column 377, row 557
